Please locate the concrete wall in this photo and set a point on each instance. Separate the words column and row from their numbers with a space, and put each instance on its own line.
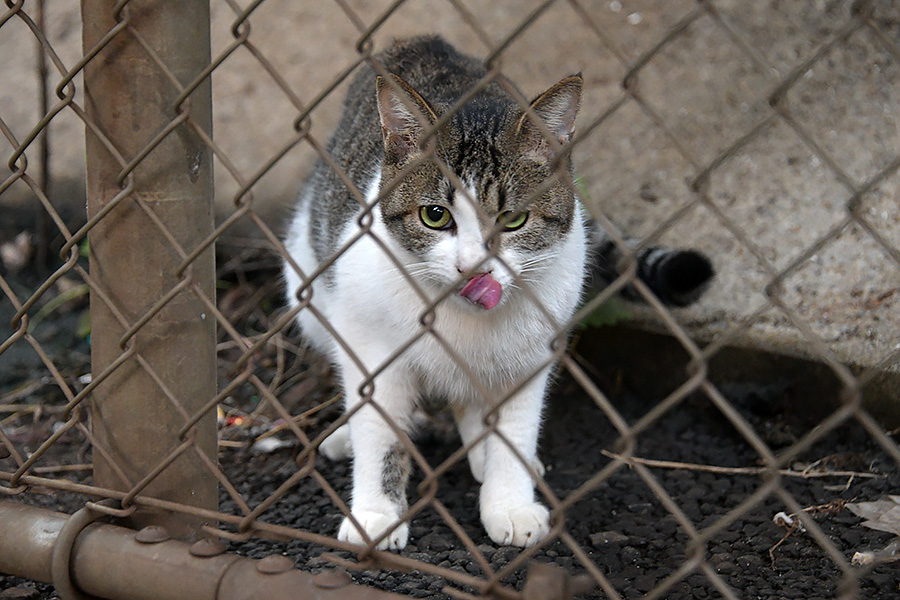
column 770, row 202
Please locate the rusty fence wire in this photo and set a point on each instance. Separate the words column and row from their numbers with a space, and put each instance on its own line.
column 60, row 436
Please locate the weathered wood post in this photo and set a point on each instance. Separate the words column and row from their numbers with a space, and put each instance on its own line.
column 139, row 408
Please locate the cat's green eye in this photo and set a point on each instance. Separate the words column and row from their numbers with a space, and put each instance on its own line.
column 435, row 217
column 515, row 223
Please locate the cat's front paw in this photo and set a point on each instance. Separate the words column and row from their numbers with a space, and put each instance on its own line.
column 374, row 524
column 478, row 458
column 337, row 446
column 524, row 525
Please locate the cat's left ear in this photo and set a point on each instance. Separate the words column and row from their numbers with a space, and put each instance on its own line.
column 556, row 108
column 405, row 117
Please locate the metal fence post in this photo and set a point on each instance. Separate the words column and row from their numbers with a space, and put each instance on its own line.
column 135, row 250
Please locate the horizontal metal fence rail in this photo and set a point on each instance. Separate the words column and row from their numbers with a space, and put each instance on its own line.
column 78, row 555
column 162, row 330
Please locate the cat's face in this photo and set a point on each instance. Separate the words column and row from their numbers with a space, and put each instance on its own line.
column 496, row 208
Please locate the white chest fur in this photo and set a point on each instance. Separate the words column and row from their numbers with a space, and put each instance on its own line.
column 378, row 313
column 416, row 340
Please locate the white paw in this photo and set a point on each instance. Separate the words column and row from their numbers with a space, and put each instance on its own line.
column 337, row 446
column 538, row 467
column 374, row 523
column 524, row 525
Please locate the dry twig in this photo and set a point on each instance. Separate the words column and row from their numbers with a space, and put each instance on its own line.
column 668, row 464
column 61, row 469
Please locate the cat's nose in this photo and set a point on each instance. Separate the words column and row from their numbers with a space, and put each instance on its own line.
column 481, row 270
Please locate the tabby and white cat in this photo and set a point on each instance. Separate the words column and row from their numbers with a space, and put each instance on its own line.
column 471, row 242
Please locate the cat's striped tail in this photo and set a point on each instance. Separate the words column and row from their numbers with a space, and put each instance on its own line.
column 677, row 277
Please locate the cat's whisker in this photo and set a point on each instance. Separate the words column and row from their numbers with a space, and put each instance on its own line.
column 537, row 260
column 419, row 272
column 415, row 268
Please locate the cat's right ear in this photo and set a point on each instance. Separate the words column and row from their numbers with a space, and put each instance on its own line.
column 556, row 109
column 405, row 118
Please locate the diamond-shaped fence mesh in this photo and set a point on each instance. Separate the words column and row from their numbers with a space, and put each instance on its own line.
column 766, row 135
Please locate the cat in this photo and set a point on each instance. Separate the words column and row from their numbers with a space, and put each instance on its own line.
column 449, row 272
column 676, row 277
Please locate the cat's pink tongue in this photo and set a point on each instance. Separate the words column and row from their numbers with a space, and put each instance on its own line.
column 482, row 290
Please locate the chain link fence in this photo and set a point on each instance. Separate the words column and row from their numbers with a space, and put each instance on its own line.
column 688, row 105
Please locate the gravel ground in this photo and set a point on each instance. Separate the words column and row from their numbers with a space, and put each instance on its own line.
column 621, row 525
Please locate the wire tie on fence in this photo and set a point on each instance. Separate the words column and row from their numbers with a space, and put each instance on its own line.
column 61, row 556
column 307, row 463
column 240, row 29
column 182, row 106
column 16, row 168
column 107, row 508
column 774, row 289
column 21, row 329
column 700, row 184
column 559, row 344
column 854, row 204
column 14, row 7
column 366, row 219
column 238, row 537
column 16, row 176
column 427, row 318
column 304, row 294
column 365, row 44
column 303, row 124
column 367, row 390
column 12, row 491
column 119, row 8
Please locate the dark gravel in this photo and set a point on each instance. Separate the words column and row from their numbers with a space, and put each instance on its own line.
column 620, row 525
